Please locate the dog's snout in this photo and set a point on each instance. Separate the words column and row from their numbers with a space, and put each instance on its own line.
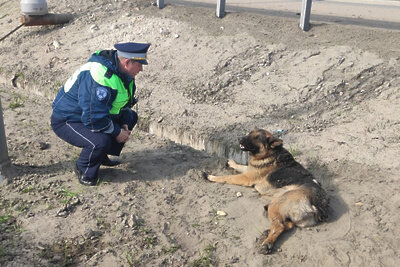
column 242, row 140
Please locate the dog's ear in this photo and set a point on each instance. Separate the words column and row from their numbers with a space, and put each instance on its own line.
column 274, row 142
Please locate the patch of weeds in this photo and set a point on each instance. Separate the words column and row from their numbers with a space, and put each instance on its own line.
column 150, row 240
column 56, row 86
column 104, row 182
column 59, row 254
column 10, row 206
column 144, row 122
column 16, row 101
column 65, row 252
column 9, row 230
column 4, row 219
column 3, row 251
column 136, row 134
column 139, row 225
column 75, row 156
column 23, row 206
column 223, row 234
column 27, row 189
column 207, row 257
column 45, row 254
column 236, row 237
column 146, row 117
column 66, row 195
column 20, row 75
column 5, row 254
column 98, row 194
column 170, row 250
column 132, row 259
column 295, row 151
column 102, row 224
column 267, row 261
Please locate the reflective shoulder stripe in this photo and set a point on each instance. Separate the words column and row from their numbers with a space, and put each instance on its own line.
column 70, row 82
column 97, row 71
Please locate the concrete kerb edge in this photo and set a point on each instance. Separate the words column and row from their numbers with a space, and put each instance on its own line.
column 201, row 143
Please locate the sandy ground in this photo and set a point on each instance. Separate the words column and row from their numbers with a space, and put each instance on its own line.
column 332, row 93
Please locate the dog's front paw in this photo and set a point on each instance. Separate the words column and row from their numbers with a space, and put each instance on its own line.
column 231, row 163
column 211, row 178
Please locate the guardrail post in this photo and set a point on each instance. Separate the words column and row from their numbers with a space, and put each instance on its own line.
column 6, row 169
column 160, row 4
column 305, row 14
column 220, row 8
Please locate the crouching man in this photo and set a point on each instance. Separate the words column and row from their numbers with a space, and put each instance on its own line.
column 93, row 108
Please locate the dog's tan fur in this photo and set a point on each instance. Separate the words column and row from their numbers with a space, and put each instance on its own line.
column 296, row 197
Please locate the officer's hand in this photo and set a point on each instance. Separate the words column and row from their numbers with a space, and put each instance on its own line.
column 123, row 136
column 125, row 127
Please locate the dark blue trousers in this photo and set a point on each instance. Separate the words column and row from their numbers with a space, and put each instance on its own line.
column 95, row 146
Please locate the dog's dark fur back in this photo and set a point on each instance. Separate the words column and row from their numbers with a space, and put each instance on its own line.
column 293, row 173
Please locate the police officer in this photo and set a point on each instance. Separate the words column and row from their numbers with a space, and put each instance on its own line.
column 93, row 108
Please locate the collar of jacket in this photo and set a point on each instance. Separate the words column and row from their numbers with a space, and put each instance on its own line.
column 108, row 58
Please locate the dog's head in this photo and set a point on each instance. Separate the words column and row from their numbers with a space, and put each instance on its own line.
column 260, row 143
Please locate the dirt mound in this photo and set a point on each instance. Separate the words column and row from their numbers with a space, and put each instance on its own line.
column 332, row 94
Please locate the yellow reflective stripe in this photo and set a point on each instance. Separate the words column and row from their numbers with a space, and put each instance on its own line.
column 70, row 82
column 98, row 71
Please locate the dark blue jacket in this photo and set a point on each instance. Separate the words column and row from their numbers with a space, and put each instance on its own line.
column 88, row 95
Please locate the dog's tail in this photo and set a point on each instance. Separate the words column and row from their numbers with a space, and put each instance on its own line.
column 321, row 201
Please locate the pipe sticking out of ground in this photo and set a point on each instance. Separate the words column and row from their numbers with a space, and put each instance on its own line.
column 47, row 19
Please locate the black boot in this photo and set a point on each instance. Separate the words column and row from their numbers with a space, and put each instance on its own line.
column 109, row 162
column 83, row 179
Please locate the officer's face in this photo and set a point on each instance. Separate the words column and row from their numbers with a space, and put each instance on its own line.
column 132, row 68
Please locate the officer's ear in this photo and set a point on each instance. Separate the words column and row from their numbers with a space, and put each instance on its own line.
column 127, row 61
column 124, row 62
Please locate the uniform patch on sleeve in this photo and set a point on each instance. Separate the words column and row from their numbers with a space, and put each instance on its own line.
column 101, row 93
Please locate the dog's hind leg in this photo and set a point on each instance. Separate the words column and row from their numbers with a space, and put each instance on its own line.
column 278, row 226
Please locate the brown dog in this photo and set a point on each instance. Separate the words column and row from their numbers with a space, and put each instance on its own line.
column 296, row 197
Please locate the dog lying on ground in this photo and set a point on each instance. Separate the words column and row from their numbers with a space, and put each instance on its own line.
column 297, row 199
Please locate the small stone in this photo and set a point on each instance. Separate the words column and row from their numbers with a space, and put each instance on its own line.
column 94, row 27
column 43, row 146
column 56, row 44
column 221, row 213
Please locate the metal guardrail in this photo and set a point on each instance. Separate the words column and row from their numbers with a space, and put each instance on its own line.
column 304, row 15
